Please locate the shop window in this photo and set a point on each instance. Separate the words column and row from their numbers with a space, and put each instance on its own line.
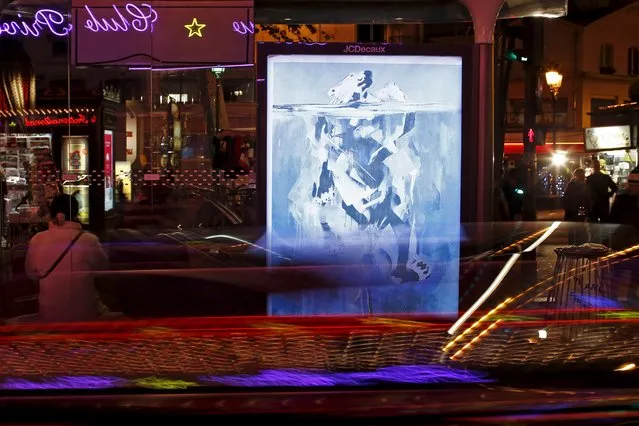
column 238, row 90
column 60, row 48
column 375, row 33
column 181, row 88
column 596, row 103
column 633, row 61
column 176, row 97
column 606, row 59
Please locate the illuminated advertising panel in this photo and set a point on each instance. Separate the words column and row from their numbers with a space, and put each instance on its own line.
column 108, row 170
column 607, row 138
column 363, row 178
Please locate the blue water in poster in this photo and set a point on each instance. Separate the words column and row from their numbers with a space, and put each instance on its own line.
column 364, row 172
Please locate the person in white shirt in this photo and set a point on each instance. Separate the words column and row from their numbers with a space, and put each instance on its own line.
column 67, row 289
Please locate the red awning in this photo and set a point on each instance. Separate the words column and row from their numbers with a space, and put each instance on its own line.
column 567, row 141
column 513, row 148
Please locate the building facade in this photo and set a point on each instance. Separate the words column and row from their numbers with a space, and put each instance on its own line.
column 598, row 61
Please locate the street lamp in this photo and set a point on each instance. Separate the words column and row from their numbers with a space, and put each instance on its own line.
column 554, row 80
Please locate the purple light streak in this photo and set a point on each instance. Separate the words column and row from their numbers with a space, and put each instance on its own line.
column 193, row 68
column 409, row 374
column 63, row 382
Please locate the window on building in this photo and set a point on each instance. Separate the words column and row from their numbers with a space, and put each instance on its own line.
column 239, row 90
column 633, row 61
column 375, row 33
column 596, row 103
column 606, row 59
column 515, row 113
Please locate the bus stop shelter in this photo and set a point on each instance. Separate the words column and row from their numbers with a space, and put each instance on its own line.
column 483, row 14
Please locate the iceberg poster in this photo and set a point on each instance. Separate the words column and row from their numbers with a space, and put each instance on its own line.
column 363, row 177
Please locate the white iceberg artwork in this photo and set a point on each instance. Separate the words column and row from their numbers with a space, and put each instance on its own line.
column 364, row 174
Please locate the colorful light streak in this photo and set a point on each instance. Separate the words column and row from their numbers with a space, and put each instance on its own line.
column 620, row 315
column 240, row 240
column 193, row 68
column 596, row 302
column 164, row 384
column 407, row 374
column 500, row 278
column 64, row 382
column 476, row 339
column 626, row 367
column 508, row 301
column 516, row 318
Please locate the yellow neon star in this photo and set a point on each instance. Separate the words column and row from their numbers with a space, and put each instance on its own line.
column 195, row 28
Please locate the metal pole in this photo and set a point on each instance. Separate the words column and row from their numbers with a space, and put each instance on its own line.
column 533, row 41
column 217, row 103
column 554, row 121
column 485, row 133
column 554, row 138
column 484, row 14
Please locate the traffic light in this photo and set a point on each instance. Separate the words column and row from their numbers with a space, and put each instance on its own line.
column 535, row 136
column 516, row 55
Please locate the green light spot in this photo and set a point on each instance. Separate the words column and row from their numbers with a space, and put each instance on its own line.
column 511, row 56
column 163, row 384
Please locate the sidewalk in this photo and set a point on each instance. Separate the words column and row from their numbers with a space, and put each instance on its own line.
column 550, row 215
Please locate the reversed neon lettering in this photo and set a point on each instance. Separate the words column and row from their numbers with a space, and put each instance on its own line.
column 129, row 17
column 243, row 27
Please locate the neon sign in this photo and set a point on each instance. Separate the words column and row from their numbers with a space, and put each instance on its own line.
column 127, row 18
column 195, row 28
column 44, row 19
column 139, row 18
column 78, row 120
column 244, row 27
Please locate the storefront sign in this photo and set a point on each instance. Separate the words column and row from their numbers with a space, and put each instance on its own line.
column 72, row 120
column 129, row 17
column 607, row 138
column 166, row 34
column 43, row 20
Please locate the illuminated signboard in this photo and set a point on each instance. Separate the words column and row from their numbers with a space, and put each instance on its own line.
column 124, row 18
column 141, row 34
column 363, row 175
column 50, row 121
column 44, row 20
column 162, row 34
column 607, row 138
